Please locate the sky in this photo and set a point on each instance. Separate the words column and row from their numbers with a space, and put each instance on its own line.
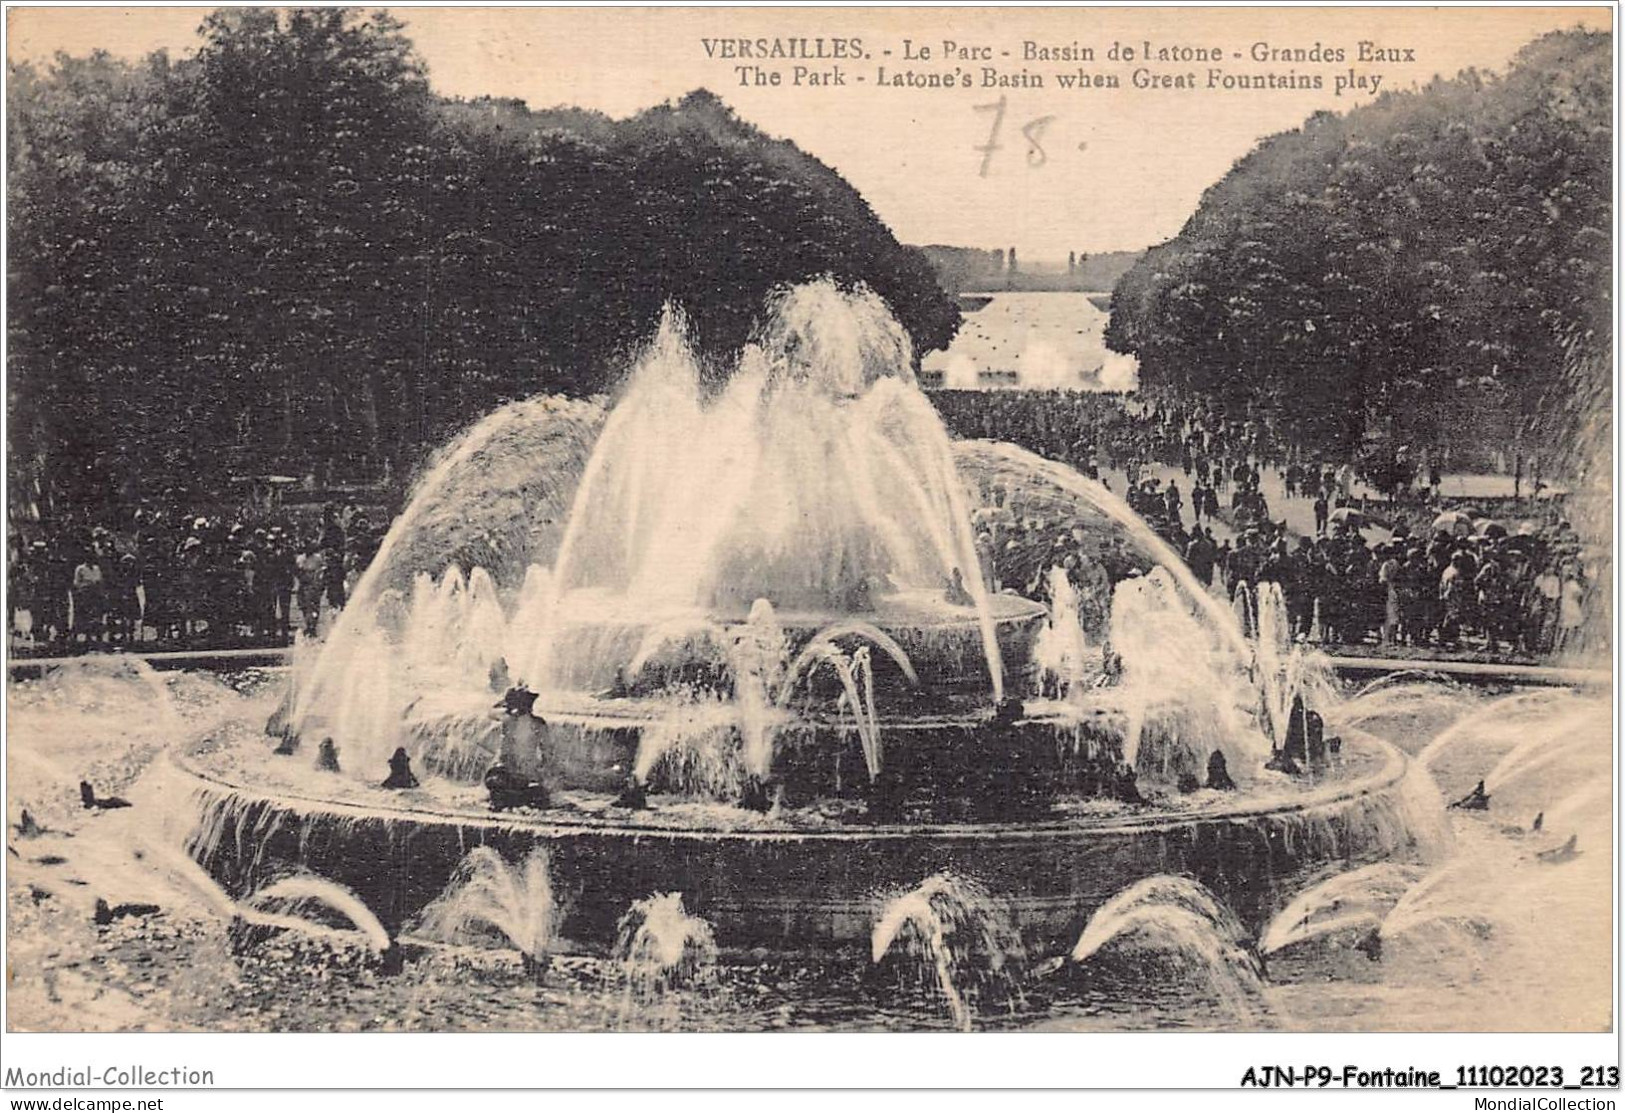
column 1114, row 169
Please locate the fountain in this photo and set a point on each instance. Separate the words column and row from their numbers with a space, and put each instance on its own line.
column 956, row 942
column 1171, row 929
column 292, row 892
column 488, row 895
column 659, row 945
column 730, row 637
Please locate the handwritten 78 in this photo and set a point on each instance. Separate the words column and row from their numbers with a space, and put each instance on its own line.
column 1033, row 131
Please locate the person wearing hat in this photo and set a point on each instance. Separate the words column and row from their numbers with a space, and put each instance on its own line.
column 310, row 566
column 1201, row 555
column 1518, row 578
column 124, row 608
column 1491, row 587
column 1413, row 595
column 1322, row 513
column 183, row 584
column 1388, row 579
column 1454, row 585
column 1571, row 606
column 245, row 601
column 333, row 553
column 55, row 577
column 25, row 585
column 89, row 597
column 1547, row 596
column 277, row 569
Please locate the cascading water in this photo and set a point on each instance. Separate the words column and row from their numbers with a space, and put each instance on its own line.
column 1062, row 648
column 1544, row 769
column 1182, row 693
column 818, row 482
column 495, row 499
column 1090, row 505
column 757, row 653
column 488, row 895
column 698, row 743
column 1158, row 892
column 858, row 699
column 1272, row 643
column 811, row 507
column 1241, row 606
column 818, row 478
column 1458, row 756
column 1175, row 927
column 1283, row 669
column 659, row 946
column 1353, row 901
column 956, row 939
column 305, row 892
column 744, row 572
column 828, row 640
column 1408, row 713
column 1495, row 930
column 63, row 726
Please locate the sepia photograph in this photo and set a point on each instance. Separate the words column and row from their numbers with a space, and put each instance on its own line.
column 856, row 520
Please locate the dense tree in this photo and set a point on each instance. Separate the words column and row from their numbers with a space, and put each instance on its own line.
column 1428, row 270
column 286, row 253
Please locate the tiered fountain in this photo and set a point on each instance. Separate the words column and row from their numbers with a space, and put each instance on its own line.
column 731, row 638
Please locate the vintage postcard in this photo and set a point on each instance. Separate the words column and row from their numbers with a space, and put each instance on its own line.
column 871, row 519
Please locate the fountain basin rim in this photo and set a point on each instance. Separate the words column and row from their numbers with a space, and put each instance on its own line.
column 580, row 709
column 1393, row 769
column 905, row 609
column 277, row 658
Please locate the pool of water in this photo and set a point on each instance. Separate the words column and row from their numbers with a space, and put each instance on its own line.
column 1033, row 341
column 1512, row 932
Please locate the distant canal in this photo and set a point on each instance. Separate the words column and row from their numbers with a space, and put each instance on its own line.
column 1034, row 341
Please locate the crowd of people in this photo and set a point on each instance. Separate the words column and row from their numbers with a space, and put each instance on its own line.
column 1446, row 581
column 1094, row 432
column 1523, row 593
column 167, row 576
column 172, row 576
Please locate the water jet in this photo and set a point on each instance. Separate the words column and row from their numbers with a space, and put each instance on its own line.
column 765, row 670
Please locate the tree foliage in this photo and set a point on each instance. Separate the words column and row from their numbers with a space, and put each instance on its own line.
column 286, row 252
column 1431, row 269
